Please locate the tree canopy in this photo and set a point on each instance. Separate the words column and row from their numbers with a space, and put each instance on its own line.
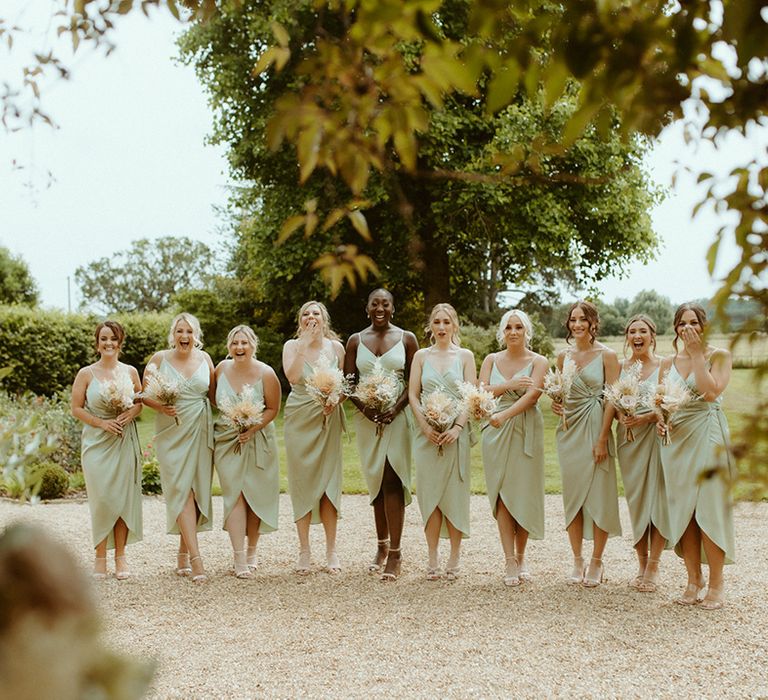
column 147, row 276
column 17, row 286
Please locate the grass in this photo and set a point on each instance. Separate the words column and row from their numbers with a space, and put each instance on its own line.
column 738, row 401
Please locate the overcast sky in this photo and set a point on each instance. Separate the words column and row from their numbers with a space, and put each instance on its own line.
column 130, row 161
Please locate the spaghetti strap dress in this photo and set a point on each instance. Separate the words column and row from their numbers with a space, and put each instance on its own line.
column 443, row 480
column 185, row 451
column 640, row 465
column 112, row 470
column 513, row 458
column 393, row 442
column 255, row 470
column 699, row 445
column 313, row 451
column 587, row 486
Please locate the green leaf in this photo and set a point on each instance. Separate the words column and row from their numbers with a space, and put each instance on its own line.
column 502, row 88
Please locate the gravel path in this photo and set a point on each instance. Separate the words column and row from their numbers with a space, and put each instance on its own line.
column 280, row 635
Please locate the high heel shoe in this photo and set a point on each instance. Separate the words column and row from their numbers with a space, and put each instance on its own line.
column 381, row 554
column 201, row 577
column 99, row 575
column 242, row 570
column 522, row 571
column 592, row 581
column 512, row 576
column 577, row 573
column 713, row 600
column 650, row 577
column 251, row 559
column 182, row 564
column 690, row 595
column 124, row 574
column 332, row 564
column 434, row 573
column 303, row 563
column 392, row 572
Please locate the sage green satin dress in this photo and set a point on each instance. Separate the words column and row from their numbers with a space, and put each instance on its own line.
column 699, row 442
column 587, row 486
column 255, row 471
column 443, row 480
column 185, row 451
column 513, row 458
column 640, row 465
column 394, row 442
column 112, row 470
column 313, row 451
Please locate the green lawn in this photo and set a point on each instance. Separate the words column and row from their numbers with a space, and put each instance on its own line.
column 738, row 401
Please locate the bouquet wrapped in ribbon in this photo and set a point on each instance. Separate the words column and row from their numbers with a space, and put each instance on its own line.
column 557, row 383
column 118, row 393
column 626, row 394
column 668, row 398
column 378, row 390
column 440, row 411
column 162, row 388
column 242, row 412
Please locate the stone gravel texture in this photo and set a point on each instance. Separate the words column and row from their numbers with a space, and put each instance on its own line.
column 282, row 635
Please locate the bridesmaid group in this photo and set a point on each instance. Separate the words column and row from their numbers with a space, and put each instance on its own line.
column 671, row 504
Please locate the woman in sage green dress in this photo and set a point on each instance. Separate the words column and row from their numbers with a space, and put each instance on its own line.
column 697, row 463
column 247, row 462
column 513, row 442
column 585, row 448
column 184, row 438
column 313, row 434
column 442, row 454
column 102, row 398
column 384, row 433
column 640, row 459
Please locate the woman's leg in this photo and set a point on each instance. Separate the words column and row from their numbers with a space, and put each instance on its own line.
column 452, row 565
column 575, row 531
column 187, row 522
column 716, row 559
column 330, row 517
column 690, row 543
column 507, row 533
column 394, row 510
column 304, row 562
column 641, row 549
column 235, row 526
column 252, row 525
column 594, row 575
column 382, row 531
column 121, row 537
column 521, row 542
column 432, row 535
column 100, row 559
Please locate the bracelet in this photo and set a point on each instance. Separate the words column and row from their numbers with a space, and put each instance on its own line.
column 460, row 425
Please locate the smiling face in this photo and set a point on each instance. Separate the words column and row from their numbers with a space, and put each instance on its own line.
column 688, row 318
column 578, row 323
column 380, row 307
column 183, row 336
column 107, row 342
column 240, row 347
column 583, row 322
column 640, row 338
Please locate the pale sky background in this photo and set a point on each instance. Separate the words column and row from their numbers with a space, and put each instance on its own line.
column 129, row 161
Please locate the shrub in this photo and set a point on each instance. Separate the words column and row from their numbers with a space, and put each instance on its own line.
column 150, row 472
column 54, row 481
column 45, row 349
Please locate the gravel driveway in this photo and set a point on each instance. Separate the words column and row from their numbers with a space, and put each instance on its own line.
column 281, row 635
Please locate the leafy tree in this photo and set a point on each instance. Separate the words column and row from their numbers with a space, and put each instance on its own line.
column 655, row 305
column 147, row 276
column 16, row 283
column 434, row 236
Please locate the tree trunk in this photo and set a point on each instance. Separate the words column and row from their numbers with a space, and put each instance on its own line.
column 435, row 272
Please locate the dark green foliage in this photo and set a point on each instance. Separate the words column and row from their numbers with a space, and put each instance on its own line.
column 16, row 283
column 45, row 349
column 150, row 478
column 54, row 481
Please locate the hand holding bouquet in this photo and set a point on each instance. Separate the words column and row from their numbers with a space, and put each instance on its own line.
column 668, row 398
column 440, row 410
column 625, row 394
column 557, row 383
column 378, row 390
column 326, row 385
column 242, row 412
column 162, row 388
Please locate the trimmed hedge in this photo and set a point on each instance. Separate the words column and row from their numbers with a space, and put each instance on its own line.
column 45, row 349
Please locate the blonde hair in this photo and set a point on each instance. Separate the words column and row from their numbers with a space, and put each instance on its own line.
column 524, row 319
column 451, row 312
column 328, row 332
column 250, row 336
column 194, row 324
